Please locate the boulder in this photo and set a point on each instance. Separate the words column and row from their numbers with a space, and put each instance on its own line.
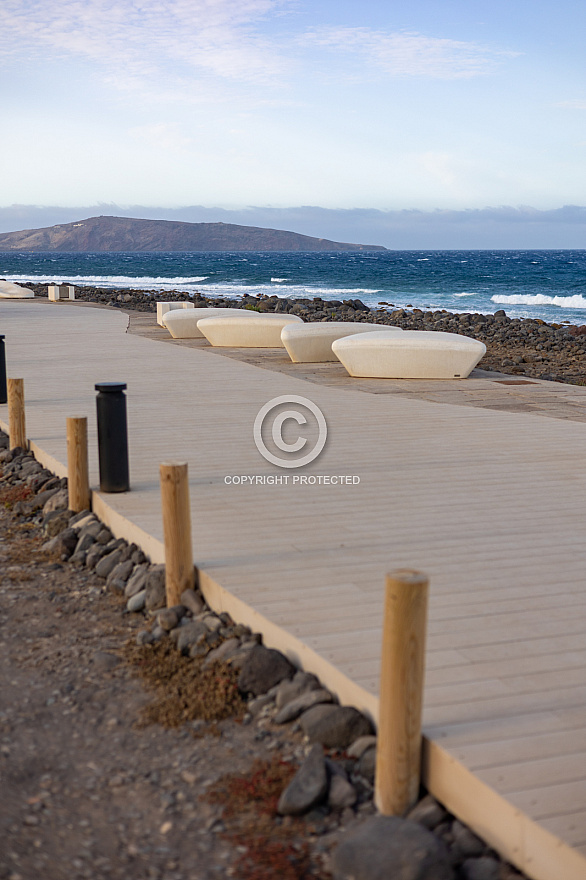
column 367, row 764
column 62, row 544
column 262, row 669
column 335, row 727
column 108, row 563
column 387, row 847
column 300, row 704
column 308, row 787
column 342, row 793
column 56, row 522
column 156, row 596
column 192, row 601
column 137, row 581
column 58, row 501
column 136, row 601
column 466, row 843
column 189, row 635
column 299, row 684
column 427, row 812
column 168, row 618
column 484, row 868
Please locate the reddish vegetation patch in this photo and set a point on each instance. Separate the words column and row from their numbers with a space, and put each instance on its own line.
column 11, row 494
column 271, row 859
column 260, row 789
column 269, row 848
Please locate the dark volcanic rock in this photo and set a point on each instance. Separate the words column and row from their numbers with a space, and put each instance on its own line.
column 156, row 596
column 294, row 708
column 307, row 788
column 389, row 848
column 335, row 727
column 263, row 669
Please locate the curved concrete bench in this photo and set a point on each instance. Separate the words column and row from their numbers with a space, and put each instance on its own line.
column 9, row 290
column 264, row 331
column 164, row 307
column 183, row 324
column 413, row 354
column 312, row 343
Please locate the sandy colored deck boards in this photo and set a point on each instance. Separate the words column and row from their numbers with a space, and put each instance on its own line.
column 490, row 504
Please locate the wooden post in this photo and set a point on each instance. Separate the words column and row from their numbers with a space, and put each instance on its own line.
column 16, row 419
column 398, row 759
column 179, row 570
column 77, row 464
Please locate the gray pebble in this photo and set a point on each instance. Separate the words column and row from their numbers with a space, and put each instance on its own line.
column 427, row 812
column 484, row 868
column 294, row 708
column 108, row 563
column 137, row 602
column 307, row 788
column 360, row 745
column 342, row 793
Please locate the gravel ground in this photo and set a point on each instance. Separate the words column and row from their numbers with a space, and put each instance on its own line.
column 86, row 791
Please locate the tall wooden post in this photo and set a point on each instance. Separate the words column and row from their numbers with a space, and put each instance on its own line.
column 398, row 760
column 77, row 464
column 16, row 419
column 179, row 570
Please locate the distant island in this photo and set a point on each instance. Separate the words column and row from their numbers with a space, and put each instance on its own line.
column 126, row 234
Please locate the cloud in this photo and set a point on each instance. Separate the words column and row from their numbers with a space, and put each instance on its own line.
column 137, row 40
column 411, row 54
column 576, row 104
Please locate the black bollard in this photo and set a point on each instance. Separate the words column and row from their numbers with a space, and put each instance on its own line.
column 3, row 389
column 112, row 437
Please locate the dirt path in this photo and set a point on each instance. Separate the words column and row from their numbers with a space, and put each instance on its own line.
column 85, row 793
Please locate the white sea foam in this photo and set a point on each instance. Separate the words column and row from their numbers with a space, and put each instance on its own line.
column 145, row 282
column 278, row 280
column 577, row 301
column 464, row 294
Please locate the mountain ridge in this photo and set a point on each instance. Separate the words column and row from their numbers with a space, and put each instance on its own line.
column 108, row 234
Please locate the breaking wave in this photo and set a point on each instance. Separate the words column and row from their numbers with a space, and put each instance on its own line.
column 577, row 301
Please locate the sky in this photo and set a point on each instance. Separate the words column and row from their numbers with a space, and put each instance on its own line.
column 419, row 109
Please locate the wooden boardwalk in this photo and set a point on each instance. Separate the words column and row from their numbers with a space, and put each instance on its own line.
column 491, row 504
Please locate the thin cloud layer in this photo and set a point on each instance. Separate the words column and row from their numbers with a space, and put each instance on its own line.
column 141, row 39
column 411, row 54
column 221, row 38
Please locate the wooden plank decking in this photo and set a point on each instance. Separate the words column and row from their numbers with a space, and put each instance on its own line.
column 490, row 504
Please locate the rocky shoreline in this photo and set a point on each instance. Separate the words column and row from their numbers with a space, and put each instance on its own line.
column 524, row 347
column 306, row 807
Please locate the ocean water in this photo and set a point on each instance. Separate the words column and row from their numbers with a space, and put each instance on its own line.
column 550, row 285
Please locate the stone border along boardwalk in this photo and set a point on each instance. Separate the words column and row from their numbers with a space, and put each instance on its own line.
column 331, row 771
column 489, row 504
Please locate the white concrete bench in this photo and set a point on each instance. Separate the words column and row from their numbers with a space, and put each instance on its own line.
column 57, row 292
column 183, row 324
column 9, row 290
column 263, row 331
column 413, row 354
column 312, row 343
column 164, row 307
